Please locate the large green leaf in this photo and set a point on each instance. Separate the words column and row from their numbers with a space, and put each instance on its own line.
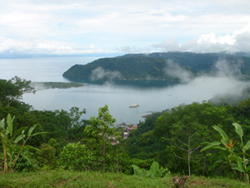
column 220, row 148
column 154, row 167
column 31, row 130
column 239, row 162
column 246, row 154
column 247, row 146
column 161, row 171
column 4, row 138
column 40, row 133
column 211, row 145
column 2, row 124
column 222, row 133
column 239, row 169
column 145, row 173
column 137, row 170
column 204, row 143
column 32, row 148
column 9, row 124
column 238, row 130
column 248, row 168
column 20, row 137
column 19, row 131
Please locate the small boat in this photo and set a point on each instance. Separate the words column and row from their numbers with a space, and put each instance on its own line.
column 133, row 105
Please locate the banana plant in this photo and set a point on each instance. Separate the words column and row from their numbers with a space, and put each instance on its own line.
column 154, row 172
column 238, row 161
column 10, row 140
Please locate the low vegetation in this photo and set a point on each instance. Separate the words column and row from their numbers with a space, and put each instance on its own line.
column 62, row 178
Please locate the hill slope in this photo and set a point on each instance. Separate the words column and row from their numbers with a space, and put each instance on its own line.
column 155, row 66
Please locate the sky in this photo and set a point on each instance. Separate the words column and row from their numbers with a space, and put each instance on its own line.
column 63, row 27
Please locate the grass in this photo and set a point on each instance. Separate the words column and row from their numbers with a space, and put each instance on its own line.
column 62, row 178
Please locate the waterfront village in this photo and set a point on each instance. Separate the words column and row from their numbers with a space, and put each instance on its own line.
column 127, row 128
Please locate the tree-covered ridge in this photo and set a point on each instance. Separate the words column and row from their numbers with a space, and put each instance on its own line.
column 130, row 68
column 155, row 66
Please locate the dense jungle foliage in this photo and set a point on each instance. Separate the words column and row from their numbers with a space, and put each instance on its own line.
column 174, row 137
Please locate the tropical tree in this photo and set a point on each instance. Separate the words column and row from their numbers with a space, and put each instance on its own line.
column 13, row 89
column 102, row 127
column 185, row 138
column 64, row 126
column 182, row 128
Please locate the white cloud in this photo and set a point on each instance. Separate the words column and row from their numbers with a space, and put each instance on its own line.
column 236, row 42
column 132, row 26
column 40, row 46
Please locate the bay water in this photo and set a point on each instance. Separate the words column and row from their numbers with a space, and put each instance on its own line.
column 118, row 98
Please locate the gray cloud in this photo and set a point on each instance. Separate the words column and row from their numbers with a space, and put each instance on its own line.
column 242, row 42
column 100, row 73
column 229, row 69
column 174, row 70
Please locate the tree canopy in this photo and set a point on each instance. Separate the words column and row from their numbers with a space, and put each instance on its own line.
column 13, row 89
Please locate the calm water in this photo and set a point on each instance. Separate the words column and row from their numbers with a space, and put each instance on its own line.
column 118, row 98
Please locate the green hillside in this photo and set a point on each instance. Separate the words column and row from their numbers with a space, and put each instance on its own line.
column 130, row 68
column 154, row 66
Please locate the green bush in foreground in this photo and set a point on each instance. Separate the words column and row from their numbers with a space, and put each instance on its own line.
column 62, row 178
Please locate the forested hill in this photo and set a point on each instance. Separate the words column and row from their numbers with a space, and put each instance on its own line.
column 155, row 66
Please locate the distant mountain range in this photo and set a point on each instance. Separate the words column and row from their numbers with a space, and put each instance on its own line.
column 170, row 67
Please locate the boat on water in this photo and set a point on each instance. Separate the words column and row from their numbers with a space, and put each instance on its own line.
column 133, row 105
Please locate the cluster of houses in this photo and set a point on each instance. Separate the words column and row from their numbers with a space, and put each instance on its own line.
column 126, row 129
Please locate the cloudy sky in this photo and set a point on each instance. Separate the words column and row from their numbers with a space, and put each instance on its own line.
column 123, row 26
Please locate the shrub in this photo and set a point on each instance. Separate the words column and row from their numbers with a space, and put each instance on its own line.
column 46, row 157
column 74, row 156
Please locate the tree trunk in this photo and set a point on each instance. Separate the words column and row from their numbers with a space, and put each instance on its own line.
column 117, row 161
column 104, row 154
column 5, row 159
column 189, row 156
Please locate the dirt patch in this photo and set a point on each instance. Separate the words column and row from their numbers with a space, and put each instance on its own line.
column 60, row 183
column 111, row 184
